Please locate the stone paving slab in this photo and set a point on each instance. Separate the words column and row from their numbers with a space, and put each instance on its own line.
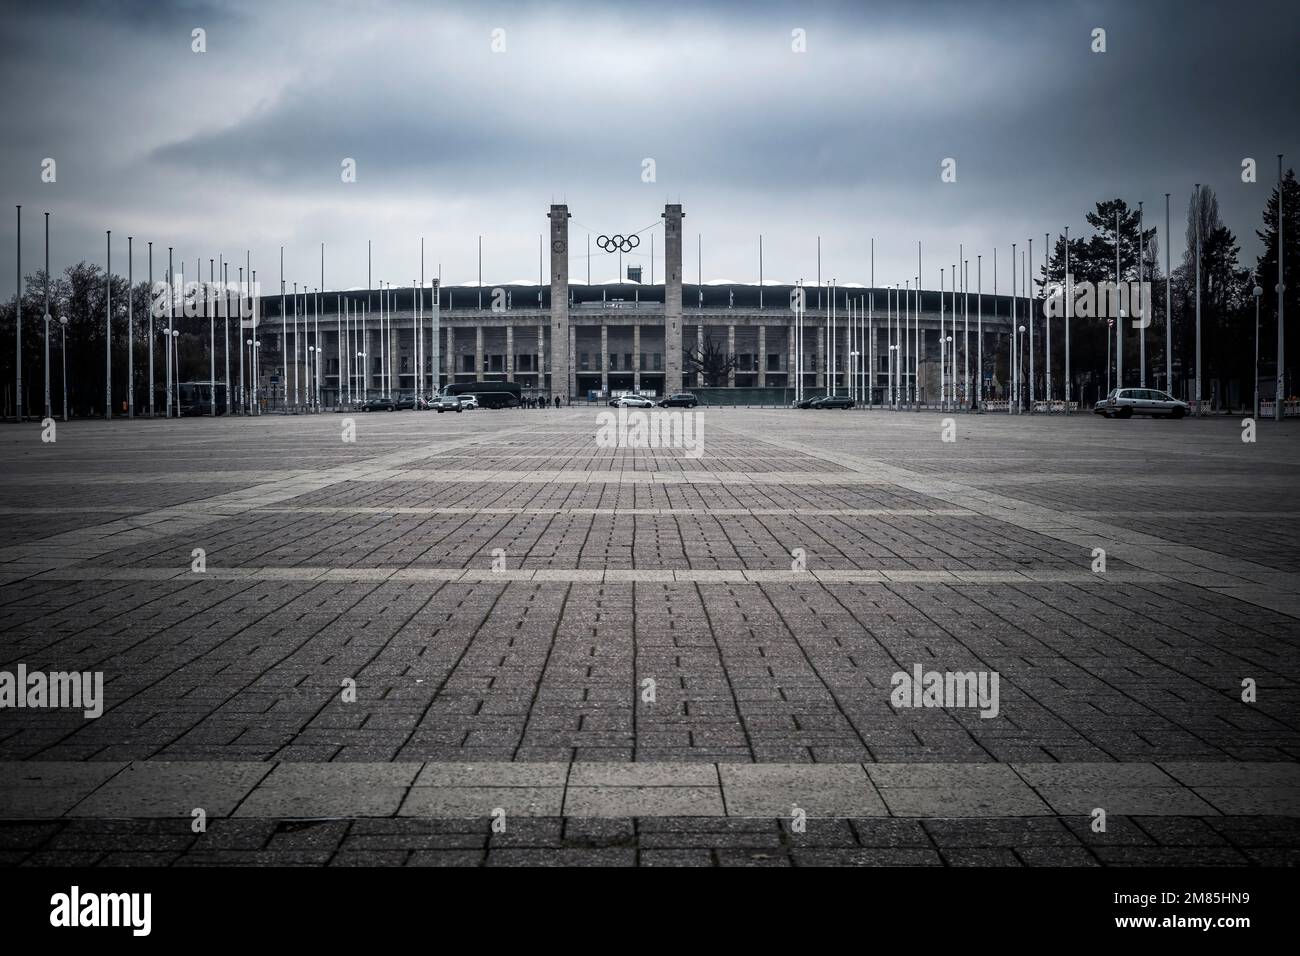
column 656, row 841
column 604, row 789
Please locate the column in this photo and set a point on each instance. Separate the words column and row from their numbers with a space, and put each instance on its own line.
column 790, row 370
column 672, row 298
column 478, row 351
column 762, row 356
column 731, row 350
column 561, row 345
column 451, row 355
column 636, row 359
column 699, row 349
column 821, row 357
column 510, row 353
column 395, row 354
column 537, row 359
column 604, row 358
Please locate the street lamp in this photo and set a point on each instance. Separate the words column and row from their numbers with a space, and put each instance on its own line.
column 1256, row 292
column 63, row 354
column 365, row 384
column 853, row 373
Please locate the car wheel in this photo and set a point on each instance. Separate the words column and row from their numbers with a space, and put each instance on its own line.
column 1126, row 413
column 1178, row 413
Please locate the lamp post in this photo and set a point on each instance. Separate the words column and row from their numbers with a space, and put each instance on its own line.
column 1256, row 292
column 309, row 372
column 63, row 354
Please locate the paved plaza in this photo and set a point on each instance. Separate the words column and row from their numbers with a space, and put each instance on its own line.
column 372, row 651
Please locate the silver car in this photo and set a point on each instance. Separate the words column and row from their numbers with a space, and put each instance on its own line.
column 1127, row 402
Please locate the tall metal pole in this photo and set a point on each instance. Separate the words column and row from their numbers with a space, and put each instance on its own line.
column 245, row 399
column 318, row 305
column 1279, row 394
column 212, row 337
column 225, row 334
column 943, row 371
column 255, row 365
column 1028, row 310
column 1119, row 324
column 1142, row 301
column 979, row 328
column 284, row 336
column 1015, row 336
column 1254, row 404
column 1197, row 213
column 17, row 363
column 151, row 332
column 48, row 407
column 965, row 335
column 130, row 321
column 1169, row 311
column 108, row 325
column 1068, row 297
column 1047, row 320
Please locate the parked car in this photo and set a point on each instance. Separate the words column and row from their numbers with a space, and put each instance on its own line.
column 632, row 401
column 468, row 402
column 807, row 402
column 833, row 401
column 379, row 405
column 1127, row 402
column 405, row 403
column 680, row 400
column 449, row 403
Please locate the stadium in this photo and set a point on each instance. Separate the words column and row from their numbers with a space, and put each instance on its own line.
column 735, row 341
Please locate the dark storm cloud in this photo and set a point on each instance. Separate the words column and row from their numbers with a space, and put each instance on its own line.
column 241, row 147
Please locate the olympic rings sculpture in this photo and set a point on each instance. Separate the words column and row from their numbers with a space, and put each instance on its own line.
column 618, row 243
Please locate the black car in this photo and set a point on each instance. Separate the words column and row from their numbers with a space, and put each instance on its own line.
column 833, row 401
column 807, row 402
column 379, row 405
column 680, row 400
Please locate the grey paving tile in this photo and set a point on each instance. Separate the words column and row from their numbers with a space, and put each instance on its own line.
column 824, row 790
column 643, row 801
column 483, row 801
column 155, row 788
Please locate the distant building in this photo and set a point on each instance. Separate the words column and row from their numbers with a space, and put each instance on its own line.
column 574, row 338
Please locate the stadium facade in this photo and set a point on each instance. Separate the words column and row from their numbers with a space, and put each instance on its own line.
column 574, row 339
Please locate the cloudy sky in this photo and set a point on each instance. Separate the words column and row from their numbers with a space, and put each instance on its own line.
column 241, row 147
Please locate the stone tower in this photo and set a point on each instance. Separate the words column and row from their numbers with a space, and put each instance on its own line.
column 672, row 298
column 560, row 301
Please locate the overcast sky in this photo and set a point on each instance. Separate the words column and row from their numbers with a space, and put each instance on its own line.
column 241, row 147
